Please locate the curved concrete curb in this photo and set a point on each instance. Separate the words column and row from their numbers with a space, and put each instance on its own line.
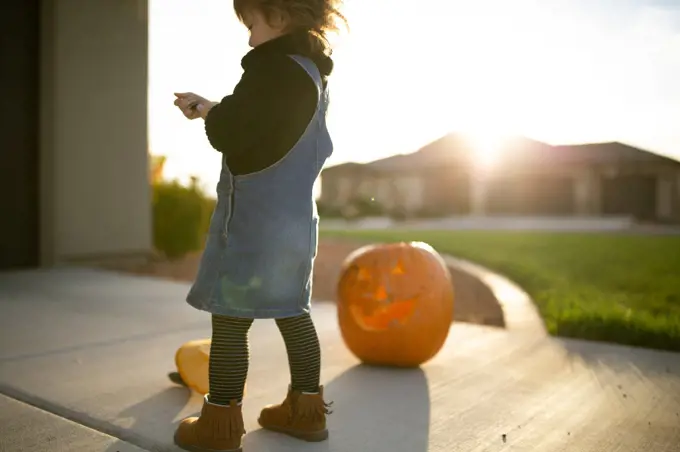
column 474, row 301
column 518, row 310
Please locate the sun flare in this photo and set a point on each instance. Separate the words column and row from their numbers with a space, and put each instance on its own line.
column 487, row 146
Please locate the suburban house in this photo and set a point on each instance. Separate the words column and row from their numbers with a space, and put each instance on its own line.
column 527, row 177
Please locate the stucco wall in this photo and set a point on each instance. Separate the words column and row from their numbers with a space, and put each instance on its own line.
column 95, row 189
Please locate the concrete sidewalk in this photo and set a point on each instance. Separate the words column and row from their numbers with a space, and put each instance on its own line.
column 90, row 349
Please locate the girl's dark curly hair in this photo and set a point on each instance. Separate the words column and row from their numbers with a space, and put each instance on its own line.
column 317, row 17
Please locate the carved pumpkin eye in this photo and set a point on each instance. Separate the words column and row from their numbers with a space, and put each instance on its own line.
column 364, row 275
column 400, row 291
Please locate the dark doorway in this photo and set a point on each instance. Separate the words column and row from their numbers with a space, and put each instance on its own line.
column 19, row 140
column 633, row 195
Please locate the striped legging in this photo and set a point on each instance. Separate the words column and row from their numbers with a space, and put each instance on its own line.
column 229, row 355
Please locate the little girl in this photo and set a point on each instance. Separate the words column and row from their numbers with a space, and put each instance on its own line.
column 262, row 241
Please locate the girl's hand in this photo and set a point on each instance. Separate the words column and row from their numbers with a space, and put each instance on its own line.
column 192, row 105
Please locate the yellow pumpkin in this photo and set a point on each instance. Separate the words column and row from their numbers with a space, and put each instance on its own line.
column 193, row 363
column 192, row 360
column 395, row 303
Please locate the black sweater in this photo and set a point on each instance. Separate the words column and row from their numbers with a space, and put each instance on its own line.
column 270, row 107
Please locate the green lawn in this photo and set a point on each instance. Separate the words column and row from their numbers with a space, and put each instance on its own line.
column 604, row 287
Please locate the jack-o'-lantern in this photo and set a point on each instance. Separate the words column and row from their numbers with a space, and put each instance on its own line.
column 193, row 362
column 395, row 303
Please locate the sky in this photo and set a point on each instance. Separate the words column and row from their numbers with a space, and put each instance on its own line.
column 559, row 71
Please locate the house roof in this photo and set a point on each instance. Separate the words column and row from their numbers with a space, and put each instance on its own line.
column 456, row 148
column 608, row 152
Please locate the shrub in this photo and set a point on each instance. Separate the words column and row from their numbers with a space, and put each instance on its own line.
column 399, row 214
column 361, row 207
column 181, row 217
column 327, row 210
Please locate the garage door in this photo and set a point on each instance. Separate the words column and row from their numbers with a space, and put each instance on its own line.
column 633, row 195
column 537, row 195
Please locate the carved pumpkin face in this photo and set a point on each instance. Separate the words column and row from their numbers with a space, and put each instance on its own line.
column 395, row 303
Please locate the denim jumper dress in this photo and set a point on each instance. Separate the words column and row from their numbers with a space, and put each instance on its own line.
column 259, row 254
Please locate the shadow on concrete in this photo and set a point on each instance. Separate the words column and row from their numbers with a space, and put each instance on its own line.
column 157, row 413
column 374, row 408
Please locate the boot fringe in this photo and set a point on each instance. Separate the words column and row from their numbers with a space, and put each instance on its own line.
column 312, row 407
column 229, row 426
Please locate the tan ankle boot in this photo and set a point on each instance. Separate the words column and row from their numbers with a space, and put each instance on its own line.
column 300, row 415
column 219, row 428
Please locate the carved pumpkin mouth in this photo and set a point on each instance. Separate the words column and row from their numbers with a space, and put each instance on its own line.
column 384, row 316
